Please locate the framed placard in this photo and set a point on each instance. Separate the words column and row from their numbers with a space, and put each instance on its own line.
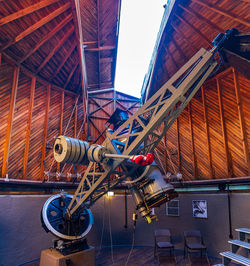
column 199, row 208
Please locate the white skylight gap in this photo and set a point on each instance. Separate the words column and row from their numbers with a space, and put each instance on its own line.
column 139, row 24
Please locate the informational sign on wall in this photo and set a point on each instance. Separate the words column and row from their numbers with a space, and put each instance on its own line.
column 199, row 208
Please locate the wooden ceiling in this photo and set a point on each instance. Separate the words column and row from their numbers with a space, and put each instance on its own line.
column 69, row 43
column 187, row 26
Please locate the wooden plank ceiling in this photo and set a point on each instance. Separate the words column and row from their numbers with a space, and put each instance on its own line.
column 192, row 24
column 211, row 138
column 50, row 37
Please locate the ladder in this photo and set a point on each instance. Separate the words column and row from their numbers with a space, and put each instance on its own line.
column 244, row 243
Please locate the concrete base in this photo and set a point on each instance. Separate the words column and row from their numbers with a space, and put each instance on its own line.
column 52, row 257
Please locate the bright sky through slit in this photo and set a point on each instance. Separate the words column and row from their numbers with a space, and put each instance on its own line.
column 139, row 24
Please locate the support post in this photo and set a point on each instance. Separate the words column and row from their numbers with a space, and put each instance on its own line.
column 192, row 140
column 178, row 144
column 10, row 121
column 241, row 120
column 224, row 134
column 207, row 133
column 61, row 125
column 28, row 128
column 45, row 130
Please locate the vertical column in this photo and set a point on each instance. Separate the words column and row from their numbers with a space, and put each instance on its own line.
column 207, row 133
column 45, row 130
column 192, row 140
column 10, row 121
column 241, row 120
column 61, row 125
column 28, row 128
column 178, row 145
column 224, row 134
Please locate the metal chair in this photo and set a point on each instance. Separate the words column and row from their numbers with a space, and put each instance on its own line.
column 163, row 240
column 193, row 241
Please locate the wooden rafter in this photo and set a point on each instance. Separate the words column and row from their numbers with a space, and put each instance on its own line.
column 26, row 11
column 223, row 129
column 222, row 12
column 51, row 34
column 28, row 127
column 241, row 120
column 98, row 41
column 172, row 58
column 193, row 13
column 185, row 59
column 55, row 48
column 70, row 75
column 79, row 37
column 192, row 139
column 45, row 130
column 195, row 30
column 10, row 121
column 100, row 48
column 66, row 57
column 37, row 25
column 182, row 35
column 207, row 132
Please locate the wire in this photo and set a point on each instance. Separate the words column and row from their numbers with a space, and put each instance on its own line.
column 110, row 234
column 103, row 223
column 66, row 128
column 132, row 247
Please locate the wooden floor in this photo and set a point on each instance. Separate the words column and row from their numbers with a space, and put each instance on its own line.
column 145, row 256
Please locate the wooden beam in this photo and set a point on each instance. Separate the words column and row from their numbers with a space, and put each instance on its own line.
column 66, row 57
column 207, row 133
column 37, row 25
column 241, row 119
column 28, row 127
column 0, row 59
column 165, row 151
column 183, row 56
column 51, row 34
column 10, row 121
column 75, row 120
column 79, row 37
column 45, row 131
column 172, row 58
column 55, row 48
column 192, row 139
column 222, row 12
column 70, row 75
column 100, row 48
column 98, row 39
column 223, row 129
column 178, row 144
column 182, row 36
column 61, row 125
column 26, row 11
column 195, row 30
column 193, row 13
column 100, row 107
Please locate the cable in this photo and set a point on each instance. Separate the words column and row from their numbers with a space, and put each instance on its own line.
column 103, row 223
column 110, row 234
column 132, row 246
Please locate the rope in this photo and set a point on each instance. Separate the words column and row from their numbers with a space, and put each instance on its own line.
column 163, row 168
column 132, row 247
column 110, row 234
column 103, row 223
column 66, row 128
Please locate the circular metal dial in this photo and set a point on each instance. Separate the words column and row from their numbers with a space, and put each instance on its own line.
column 55, row 221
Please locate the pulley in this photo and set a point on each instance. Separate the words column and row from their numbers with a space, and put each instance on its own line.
column 55, row 220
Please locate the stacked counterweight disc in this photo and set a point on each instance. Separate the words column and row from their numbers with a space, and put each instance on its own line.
column 69, row 150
